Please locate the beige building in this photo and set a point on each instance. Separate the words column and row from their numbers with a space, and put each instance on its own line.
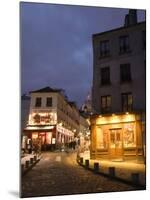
column 53, row 121
column 119, row 93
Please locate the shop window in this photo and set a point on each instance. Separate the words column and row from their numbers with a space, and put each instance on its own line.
column 104, row 48
column 127, row 102
column 124, row 44
column 105, row 76
column 129, row 138
column 101, row 139
column 38, row 102
column 49, row 102
column 106, row 104
column 48, row 137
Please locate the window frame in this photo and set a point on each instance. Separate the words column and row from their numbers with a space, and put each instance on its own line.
column 37, row 104
column 105, row 81
column 126, row 106
column 124, row 44
column 51, row 101
column 106, row 108
column 104, row 49
column 125, row 73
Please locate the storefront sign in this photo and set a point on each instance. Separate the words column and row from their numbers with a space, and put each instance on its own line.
column 42, row 118
column 115, row 119
column 64, row 131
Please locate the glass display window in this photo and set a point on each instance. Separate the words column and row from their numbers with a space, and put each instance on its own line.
column 129, row 137
column 101, row 138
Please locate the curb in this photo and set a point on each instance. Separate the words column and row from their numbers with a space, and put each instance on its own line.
column 29, row 164
column 111, row 175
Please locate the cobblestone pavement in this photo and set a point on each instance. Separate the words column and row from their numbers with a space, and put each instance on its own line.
column 59, row 174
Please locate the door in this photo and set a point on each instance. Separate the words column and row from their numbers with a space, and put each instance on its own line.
column 115, row 144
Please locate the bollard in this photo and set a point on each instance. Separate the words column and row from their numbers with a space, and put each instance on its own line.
column 81, row 160
column 31, row 161
column 112, row 171
column 87, row 163
column 22, row 167
column 35, row 158
column 135, row 178
column 96, row 167
column 27, row 163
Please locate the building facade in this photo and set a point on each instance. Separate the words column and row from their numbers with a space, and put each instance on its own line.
column 119, row 91
column 53, row 120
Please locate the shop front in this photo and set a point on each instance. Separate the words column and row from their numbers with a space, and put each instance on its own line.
column 42, row 138
column 116, row 137
column 64, row 137
column 48, row 137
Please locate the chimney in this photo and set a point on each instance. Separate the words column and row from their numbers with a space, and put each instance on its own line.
column 131, row 18
column 126, row 21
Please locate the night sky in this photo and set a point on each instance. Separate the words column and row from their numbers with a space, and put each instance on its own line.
column 56, row 45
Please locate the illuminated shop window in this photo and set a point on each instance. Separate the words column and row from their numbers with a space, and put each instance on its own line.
column 101, row 139
column 48, row 137
column 129, row 138
column 34, row 136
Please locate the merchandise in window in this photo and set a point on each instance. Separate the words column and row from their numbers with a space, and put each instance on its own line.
column 129, row 138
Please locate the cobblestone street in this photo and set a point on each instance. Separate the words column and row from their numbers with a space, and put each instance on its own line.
column 59, row 174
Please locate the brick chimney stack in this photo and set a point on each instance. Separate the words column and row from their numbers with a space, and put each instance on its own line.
column 131, row 18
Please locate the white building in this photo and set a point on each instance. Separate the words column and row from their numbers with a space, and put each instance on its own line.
column 53, row 121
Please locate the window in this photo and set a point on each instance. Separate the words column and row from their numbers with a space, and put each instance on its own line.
column 105, row 76
column 104, row 48
column 124, row 44
column 129, row 137
column 125, row 73
column 127, row 102
column 49, row 102
column 38, row 102
column 101, row 138
column 105, row 104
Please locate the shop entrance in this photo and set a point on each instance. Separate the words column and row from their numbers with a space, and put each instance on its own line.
column 115, row 143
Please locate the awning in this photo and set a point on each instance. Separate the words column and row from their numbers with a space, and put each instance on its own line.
column 38, row 128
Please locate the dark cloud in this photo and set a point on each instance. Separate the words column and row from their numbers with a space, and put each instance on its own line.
column 56, row 45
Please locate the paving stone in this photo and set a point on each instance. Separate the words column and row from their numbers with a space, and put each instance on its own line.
column 50, row 177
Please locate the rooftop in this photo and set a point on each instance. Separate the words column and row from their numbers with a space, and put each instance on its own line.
column 46, row 89
column 118, row 29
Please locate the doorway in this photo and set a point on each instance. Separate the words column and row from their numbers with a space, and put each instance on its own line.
column 115, row 143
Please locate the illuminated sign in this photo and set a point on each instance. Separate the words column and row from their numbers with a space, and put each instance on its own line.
column 42, row 118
